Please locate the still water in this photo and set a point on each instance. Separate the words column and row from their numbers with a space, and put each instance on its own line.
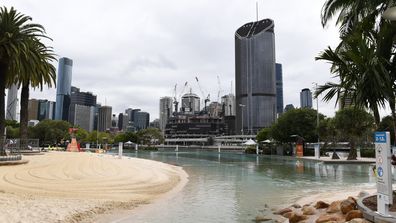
column 230, row 187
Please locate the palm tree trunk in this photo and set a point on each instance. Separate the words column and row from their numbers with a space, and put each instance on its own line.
column 376, row 115
column 393, row 113
column 23, row 130
column 352, row 152
column 3, row 69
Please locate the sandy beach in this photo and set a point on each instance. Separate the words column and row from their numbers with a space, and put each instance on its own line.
column 74, row 187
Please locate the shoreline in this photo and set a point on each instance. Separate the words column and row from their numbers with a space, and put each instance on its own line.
column 309, row 209
column 118, row 215
column 80, row 187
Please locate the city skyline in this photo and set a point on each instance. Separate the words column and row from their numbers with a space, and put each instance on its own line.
column 136, row 70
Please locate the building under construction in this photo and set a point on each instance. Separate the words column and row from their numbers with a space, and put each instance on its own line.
column 190, row 121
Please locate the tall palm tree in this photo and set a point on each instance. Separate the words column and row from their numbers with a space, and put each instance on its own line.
column 15, row 31
column 352, row 12
column 360, row 71
column 36, row 71
column 363, row 17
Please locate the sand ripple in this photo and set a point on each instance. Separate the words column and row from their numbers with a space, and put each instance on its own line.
column 90, row 178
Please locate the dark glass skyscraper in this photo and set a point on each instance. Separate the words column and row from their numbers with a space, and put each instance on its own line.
column 63, row 89
column 279, row 88
column 255, row 76
column 306, row 98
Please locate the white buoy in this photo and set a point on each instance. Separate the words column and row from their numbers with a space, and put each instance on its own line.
column 177, row 148
column 136, row 147
column 219, row 148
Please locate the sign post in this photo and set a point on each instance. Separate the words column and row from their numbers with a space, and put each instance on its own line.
column 384, row 174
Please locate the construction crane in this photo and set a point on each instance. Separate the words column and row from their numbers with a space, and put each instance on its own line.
column 218, row 94
column 205, row 99
column 176, row 97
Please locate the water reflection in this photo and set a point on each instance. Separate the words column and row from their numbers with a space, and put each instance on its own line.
column 226, row 187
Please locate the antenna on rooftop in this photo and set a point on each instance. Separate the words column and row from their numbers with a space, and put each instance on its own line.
column 231, row 88
column 257, row 11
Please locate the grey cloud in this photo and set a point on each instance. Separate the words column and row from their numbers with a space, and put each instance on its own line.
column 132, row 52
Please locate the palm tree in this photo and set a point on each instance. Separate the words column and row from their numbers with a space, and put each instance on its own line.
column 361, row 72
column 352, row 12
column 15, row 31
column 362, row 19
column 36, row 71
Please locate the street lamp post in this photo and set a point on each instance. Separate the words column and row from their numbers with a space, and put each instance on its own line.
column 317, row 153
column 242, row 106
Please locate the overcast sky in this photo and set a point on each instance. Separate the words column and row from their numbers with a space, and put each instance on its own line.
column 132, row 52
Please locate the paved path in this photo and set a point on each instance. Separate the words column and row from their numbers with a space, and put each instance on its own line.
column 342, row 160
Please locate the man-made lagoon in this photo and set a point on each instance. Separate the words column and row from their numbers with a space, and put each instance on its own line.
column 231, row 187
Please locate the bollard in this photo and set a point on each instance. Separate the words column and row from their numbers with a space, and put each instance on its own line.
column 120, row 150
column 317, row 151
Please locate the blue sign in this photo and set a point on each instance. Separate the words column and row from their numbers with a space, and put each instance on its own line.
column 380, row 171
column 380, row 137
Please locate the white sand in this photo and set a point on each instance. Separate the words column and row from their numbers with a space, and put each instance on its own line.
column 71, row 187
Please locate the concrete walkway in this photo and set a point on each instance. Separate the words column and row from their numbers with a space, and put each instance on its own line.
column 342, row 160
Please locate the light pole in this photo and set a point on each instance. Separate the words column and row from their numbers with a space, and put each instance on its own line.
column 97, row 131
column 317, row 153
column 242, row 106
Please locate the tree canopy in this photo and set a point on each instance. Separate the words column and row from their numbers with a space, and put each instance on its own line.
column 301, row 122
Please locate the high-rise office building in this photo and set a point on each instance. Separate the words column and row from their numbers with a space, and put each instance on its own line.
column 123, row 121
column 255, row 85
column 46, row 110
column 33, row 109
column 105, row 113
column 306, row 98
column 279, row 88
column 228, row 104
column 141, row 120
column 12, row 102
column 82, row 116
column 82, row 109
column 82, row 98
column 289, row 107
column 63, row 89
column 128, row 111
column 166, row 110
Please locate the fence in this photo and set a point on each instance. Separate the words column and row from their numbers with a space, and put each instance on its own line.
column 18, row 146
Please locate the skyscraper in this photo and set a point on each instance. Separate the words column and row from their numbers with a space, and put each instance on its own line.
column 82, row 109
column 46, row 110
column 306, row 98
column 12, row 102
column 82, row 116
column 166, row 110
column 63, row 88
column 255, row 76
column 105, row 113
column 141, row 120
column 279, row 88
column 33, row 109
